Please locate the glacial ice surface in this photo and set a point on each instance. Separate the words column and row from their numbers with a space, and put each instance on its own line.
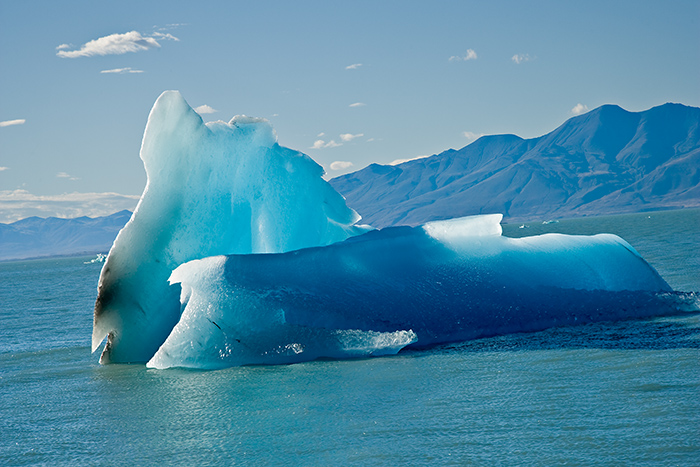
column 240, row 253
column 441, row 282
column 213, row 189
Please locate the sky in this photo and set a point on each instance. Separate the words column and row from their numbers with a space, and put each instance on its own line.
column 348, row 83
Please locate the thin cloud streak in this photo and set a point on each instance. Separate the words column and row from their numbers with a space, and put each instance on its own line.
column 19, row 121
column 167, row 36
column 20, row 204
column 170, row 26
column 66, row 175
column 122, row 71
column 320, row 144
column 341, row 165
column 401, row 161
column 349, row 137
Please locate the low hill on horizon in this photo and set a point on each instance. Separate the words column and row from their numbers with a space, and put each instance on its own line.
column 36, row 237
column 607, row 161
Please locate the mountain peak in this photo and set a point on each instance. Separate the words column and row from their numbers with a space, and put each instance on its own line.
column 606, row 161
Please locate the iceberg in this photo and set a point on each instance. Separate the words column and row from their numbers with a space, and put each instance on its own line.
column 442, row 282
column 212, row 189
column 240, row 253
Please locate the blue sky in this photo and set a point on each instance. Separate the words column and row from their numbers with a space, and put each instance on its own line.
column 349, row 83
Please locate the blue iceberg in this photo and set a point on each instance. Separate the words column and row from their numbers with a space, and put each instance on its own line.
column 374, row 294
column 212, row 189
column 240, row 253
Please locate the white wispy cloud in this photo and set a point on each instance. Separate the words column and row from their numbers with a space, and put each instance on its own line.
column 4, row 168
column 19, row 121
column 401, row 161
column 122, row 71
column 115, row 44
column 19, row 204
column 65, row 175
column 349, row 136
column 63, row 47
column 354, row 66
column 170, row 26
column 320, row 135
column 470, row 55
column 358, row 104
column 520, row 58
column 341, row 165
column 579, row 109
column 320, row 144
column 165, row 36
column 205, row 109
column 471, row 136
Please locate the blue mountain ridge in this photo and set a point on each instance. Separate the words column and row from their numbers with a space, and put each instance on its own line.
column 38, row 237
column 607, row 161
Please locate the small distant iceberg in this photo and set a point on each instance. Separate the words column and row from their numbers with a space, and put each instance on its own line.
column 240, row 253
column 550, row 222
column 99, row 258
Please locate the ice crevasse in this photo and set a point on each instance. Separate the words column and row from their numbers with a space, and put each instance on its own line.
column 240, row 253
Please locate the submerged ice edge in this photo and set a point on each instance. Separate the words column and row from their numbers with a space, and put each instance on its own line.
column 279, row 345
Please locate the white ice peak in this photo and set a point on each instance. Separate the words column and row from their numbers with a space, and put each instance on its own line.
column 212, row 189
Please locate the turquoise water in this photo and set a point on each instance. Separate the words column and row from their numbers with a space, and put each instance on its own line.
column 606, row 394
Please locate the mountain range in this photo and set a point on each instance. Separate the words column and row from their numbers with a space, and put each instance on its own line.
column 36, row 236
column 607, row 161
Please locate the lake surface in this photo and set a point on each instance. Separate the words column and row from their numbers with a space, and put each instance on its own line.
column 625, row 393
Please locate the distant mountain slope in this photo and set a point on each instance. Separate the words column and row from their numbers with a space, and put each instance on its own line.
column 35, row 236
column 607, row 161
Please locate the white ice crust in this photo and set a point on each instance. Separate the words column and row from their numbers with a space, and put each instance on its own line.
column 465, row 227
